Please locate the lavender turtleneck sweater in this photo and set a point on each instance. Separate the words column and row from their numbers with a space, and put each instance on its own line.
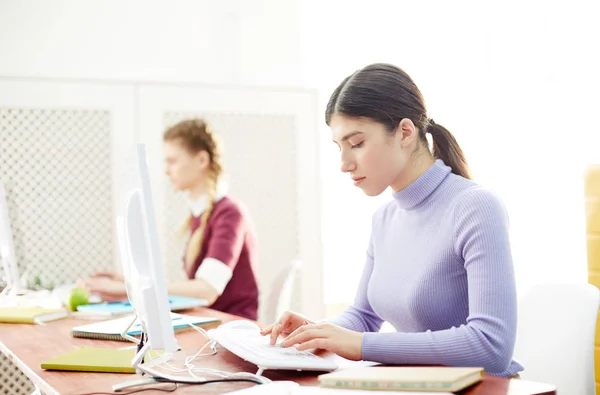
column 439, row 269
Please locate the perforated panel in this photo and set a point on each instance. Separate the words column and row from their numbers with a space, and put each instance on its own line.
column 259, row 157
column 12, row 380
column 56, row 168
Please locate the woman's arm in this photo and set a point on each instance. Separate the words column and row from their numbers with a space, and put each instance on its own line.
column 195, row 288
column 222, row 254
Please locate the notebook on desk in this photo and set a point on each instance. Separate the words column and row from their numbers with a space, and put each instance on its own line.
column 30, row 315
column 113, row 309
column 405, row 378
column 111, row 329
column 108, row 360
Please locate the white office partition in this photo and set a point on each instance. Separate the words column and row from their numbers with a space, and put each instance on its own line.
column 61, row 149
column 61, row 145
column 269, row 146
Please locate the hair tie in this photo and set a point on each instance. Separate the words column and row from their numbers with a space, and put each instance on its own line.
column 430, row 122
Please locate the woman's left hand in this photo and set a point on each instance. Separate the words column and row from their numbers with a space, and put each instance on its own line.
column 344, row 342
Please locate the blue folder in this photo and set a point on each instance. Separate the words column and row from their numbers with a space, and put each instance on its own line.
column 176, row 303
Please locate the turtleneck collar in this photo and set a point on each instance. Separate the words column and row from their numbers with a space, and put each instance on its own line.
column 411, row 196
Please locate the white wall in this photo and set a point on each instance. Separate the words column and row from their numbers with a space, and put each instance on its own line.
column 233, row 42
column 230, row 42
column 515, row 81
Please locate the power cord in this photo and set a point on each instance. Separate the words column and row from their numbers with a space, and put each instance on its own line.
column 134, row 391
column 227, row 380
column 176, row 382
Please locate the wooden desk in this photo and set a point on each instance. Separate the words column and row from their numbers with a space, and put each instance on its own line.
column 28, row 345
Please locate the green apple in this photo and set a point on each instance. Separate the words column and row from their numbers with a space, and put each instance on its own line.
column 77, row 297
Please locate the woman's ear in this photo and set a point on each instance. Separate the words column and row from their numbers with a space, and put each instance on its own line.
column 407, row 131
column 203, row 159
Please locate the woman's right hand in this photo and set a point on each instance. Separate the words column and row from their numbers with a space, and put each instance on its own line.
column 108, row 285
column 110, row 274
column 286, row 324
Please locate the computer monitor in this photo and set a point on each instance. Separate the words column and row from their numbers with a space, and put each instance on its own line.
column 7, row 249
column 141, row 259
column 145, row 282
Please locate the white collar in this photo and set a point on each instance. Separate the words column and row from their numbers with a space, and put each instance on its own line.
column 199, row 204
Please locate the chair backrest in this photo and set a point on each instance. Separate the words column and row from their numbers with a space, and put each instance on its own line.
column 280, row 293
column 555, row 336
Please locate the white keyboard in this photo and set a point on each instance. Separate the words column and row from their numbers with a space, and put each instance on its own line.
column 243, row 338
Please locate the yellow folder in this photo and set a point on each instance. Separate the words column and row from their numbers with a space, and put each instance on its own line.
column 30, row 315
column 108, row 360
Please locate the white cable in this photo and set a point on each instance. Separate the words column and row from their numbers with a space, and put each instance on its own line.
column 163, row 362
column 211, row 343
column 168, row 366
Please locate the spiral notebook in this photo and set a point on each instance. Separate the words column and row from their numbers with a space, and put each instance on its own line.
column 112, row 329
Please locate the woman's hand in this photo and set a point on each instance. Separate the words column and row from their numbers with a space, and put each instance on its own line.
column 110, row 274
column 285, row 325
column 110, row 286
column 343, row 342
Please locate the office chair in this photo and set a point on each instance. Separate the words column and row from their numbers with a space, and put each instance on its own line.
column 279, row 298
column 555, row 336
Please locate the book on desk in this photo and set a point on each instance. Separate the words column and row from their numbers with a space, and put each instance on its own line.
column 404, row 378
column 105, row 360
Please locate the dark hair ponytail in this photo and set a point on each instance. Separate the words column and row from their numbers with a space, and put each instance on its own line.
column 386, row 94
column 446, row 148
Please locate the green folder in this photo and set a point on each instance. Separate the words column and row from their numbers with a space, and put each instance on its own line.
column 108, row 360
